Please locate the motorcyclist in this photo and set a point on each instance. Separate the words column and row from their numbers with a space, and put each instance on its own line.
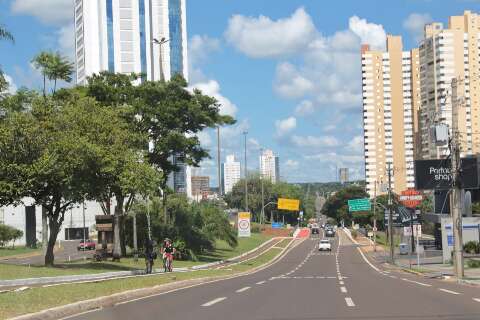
column 168, row 252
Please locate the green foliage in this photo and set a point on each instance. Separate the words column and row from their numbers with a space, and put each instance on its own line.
column 426, row 206
column 5, row 34
column 476, row 207
column 336, row 206
column 472, row 247
column 8, row 234
column 54, row 67
column 473, row 263
column 354, row 234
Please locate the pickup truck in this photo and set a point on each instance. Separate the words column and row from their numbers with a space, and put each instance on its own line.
column 324, row 245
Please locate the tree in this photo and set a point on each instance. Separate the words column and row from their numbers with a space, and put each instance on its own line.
column 43, row 62
column 336, row 206
column 59, row 69
column 5, row 34
column 8, row 233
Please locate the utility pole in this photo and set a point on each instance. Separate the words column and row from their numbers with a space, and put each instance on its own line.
column 246, row 172
column 219, row 163
column 263, row 193
column 390, row 213
column 375, row 217
column 84, row 235
column 455, row 196
column 135, row 240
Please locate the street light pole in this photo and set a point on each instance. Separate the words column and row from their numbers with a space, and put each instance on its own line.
column 84, row 237
column 263, row 193
column 390, row 214
column 160, row 43
column 220, row 187
column 246, row 172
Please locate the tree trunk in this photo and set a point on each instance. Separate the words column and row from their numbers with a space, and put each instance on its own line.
column 44, row 230
column 117, row 249
column 122, row 236
column 44, row 86
column 54, row 86
column 54, row 227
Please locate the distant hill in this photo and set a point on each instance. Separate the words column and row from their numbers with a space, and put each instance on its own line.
column 327, row 187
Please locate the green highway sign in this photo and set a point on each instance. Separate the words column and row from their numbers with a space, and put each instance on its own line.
column 359, row 205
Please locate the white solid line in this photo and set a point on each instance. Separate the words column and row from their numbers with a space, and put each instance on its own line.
column 211, row 303
column 393, row 277
column 242, row 290
column 449, row 291
column 343, row 289
column 341, row 283
column 416, row 282
column 349, row 302
column 476, row 299
column 366, row 260
column 261, row 282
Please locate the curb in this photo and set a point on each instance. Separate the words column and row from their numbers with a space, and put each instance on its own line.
column 143, row 293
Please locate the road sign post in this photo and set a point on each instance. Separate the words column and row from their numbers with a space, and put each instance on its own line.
column 244, row 225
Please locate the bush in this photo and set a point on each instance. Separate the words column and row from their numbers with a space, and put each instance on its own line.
column 472, row 247
column 354, row 234
column 256, row 228
column 8, row 234
column 473, row 263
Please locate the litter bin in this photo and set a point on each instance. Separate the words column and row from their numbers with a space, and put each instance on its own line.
column 403, row 248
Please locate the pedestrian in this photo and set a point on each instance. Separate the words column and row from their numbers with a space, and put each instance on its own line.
column 150, row 256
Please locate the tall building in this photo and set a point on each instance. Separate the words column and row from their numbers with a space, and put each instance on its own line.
column 200, row 186
column 270, row 166
column 343, row 175
column 390, row 83
column 118, row 36
column 230, row 173
column 447, row 54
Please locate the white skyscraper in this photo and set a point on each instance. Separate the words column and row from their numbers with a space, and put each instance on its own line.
column 269, row 166
column 117, row 35
column 230, row 173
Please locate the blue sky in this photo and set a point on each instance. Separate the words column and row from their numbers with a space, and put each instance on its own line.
column 288, row 70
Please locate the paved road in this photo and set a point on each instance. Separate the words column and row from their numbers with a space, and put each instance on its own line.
column 307, row 284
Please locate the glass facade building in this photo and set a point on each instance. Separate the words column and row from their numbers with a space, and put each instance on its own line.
column 175, row 17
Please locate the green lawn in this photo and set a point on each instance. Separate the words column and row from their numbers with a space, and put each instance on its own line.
column 9, row 251
column 382, row 239
column 36, row 299
column 222, row 252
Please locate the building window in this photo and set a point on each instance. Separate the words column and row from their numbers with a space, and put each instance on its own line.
column 143, row 39
column 111, row 48
column 176, row 36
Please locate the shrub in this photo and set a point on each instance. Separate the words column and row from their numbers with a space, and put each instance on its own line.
column 256, row 228
column 472, row 247
column 8, row 234
column 473, row 263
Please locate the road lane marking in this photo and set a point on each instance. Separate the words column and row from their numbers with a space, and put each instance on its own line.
column 349, row 302
column 261, row 282
column 343, row 289
column 449, row 291
column 366, row 260
column 393, row 277
column 211, row 303
column 416, row 282
column 476, row 299
column 341, row 283
column 242, row 290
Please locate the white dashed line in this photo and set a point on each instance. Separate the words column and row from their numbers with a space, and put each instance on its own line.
column 476, row 299
column 261, row 282
column 349, row 302
column 341, row 283
column 343, row 289
column 242, row 290
column 211, row 303
column 416, row 282
column 449, row 291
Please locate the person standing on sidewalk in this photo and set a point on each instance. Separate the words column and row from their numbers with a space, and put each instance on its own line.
column 150, row 256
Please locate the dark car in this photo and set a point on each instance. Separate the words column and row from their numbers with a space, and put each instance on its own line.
column 330, row 233
column 87, row 245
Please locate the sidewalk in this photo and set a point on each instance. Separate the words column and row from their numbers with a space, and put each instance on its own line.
column 430, row 267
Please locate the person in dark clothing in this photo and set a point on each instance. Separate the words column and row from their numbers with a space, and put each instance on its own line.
column 150, row 256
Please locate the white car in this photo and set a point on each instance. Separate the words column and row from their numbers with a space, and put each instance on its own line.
column 324, row 245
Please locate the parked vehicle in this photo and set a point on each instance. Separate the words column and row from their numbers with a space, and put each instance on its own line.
column 87, row 245
column 324, row 245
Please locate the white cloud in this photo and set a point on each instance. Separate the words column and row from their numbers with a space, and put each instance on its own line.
column 205, row 139
column 334, row 157
column 314, row 142
column 261, row 37
column 304, row 108
column 212, row 88
column 415, row 24
column 200, row 47
column 66, row 40
column 285, row 126
column 52, row 12
column 290, row 83
column 356, row 144
column 12, row 87
column 292, row 164
column 370, row 33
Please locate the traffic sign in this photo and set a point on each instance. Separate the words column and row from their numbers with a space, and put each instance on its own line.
column 288, row 204
column 244, row 224
column 359, row 205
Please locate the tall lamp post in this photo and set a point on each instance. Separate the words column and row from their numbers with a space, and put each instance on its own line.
column 160, row 43
column 263, row 190
column 246, row 172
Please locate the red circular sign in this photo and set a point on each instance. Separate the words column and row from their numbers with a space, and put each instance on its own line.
column 411, row 198
column 244, row 224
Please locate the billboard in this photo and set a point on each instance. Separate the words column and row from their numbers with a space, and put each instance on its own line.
column 436, row 174
column 288, row 204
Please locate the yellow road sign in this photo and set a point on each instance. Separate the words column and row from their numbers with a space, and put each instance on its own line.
column 288, row 204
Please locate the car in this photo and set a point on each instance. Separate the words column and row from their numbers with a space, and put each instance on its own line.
column 330, row 233
column 315, row 229
column 87, row 245
column 324, row 245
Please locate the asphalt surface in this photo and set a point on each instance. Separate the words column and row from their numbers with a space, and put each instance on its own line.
column 307, row 284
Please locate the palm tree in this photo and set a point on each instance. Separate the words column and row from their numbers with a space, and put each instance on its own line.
column 5, row 34
column 43, row 62
column 60, row 69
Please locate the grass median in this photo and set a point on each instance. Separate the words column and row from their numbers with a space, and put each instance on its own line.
column 37, row 299
column 9, row 252
column 222, row 251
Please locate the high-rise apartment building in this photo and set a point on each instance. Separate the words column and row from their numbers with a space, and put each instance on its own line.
column 123, row 36
column 200, row 186
column 343, row 175
column 390, row 83
column 447, row 54
column 118, row 36
column 230, row 173
column 269, row 166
